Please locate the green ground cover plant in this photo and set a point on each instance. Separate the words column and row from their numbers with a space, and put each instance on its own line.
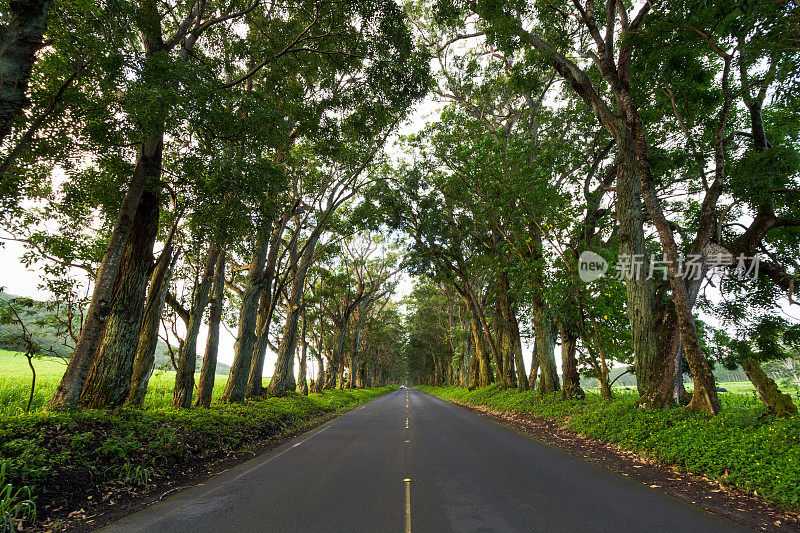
column 51, row 452
column 15, row 503
column 743, row 446
column 54, row 457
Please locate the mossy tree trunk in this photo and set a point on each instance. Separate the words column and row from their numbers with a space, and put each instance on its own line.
column 704, row 397
column 474, row 370
column 266, row 309
column 569, row 365
column 639, row 290
column 534, row 373
column 236, row 386
column 545, row 349
column 147, row 170
column 332, row 374
column 778, row 403
column 302, row 378
column 355, row 355
column 283, row 377
column 144, row 362
column 109, row 378
column 522, row 378
column 187, row 356
column 205, row 385
column 484, row 375
column 318, row 382
column 544, row 345
column 470, row 367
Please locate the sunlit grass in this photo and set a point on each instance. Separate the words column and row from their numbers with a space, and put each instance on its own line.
column 15, row 383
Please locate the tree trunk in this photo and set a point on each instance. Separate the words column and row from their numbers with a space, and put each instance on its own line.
column 639, row 290
column 777, row 403
column 569, row 365
column 352, row 382
column 317, row 383
column 187, row 356
column 544, row 345
column 545, row 349
column 329, row 381
column 148, row 169
column 471, row 364
column 522, row 379
column 109, row 378
column 339, row 361
column 334, row 364
column 704, row 397
column 236, row 386
column 20, row 39
column 504, row 347
column 283, row 377
column 667, row 386
column 484, row 374
column 462, row 368
column 475, row 369
column 144, row 361
column 534, row 374
column 205, row 386
column 266, row 308
column 255, row 377
column 362, row 372
column 660, row 392
column 301, row 375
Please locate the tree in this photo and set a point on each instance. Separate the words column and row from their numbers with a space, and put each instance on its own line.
column 22, row 312
column 21, row 37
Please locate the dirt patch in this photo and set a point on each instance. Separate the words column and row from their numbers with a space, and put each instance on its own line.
column 92, row 505
column 750, row 510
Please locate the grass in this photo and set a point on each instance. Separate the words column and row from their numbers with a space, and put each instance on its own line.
column 110, row 444
column 733, row 387
column 15, row 504
column 62, row 457
column 15, row 383
column 743, row 446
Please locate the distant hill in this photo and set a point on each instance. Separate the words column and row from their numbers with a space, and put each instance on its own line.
column 57, row 345
column 45, row 336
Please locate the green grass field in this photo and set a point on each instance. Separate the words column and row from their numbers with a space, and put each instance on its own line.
column 737, row 392
column 15, row 383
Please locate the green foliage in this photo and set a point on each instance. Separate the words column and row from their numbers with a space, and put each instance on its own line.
column 53, row 453
column 15, row 505
column 742, row 447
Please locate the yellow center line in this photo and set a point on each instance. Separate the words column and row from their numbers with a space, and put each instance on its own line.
column 408, row 504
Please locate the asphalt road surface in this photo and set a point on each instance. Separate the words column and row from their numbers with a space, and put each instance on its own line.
column 408, row 461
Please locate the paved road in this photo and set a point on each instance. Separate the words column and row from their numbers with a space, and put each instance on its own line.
column 466, row 474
